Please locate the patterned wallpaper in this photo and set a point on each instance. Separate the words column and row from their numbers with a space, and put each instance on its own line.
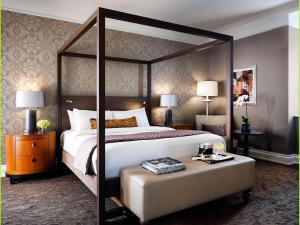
column 30, row 45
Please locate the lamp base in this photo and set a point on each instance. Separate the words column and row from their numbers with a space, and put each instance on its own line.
column 30, row 121
column 207, row 101
column 168, row 117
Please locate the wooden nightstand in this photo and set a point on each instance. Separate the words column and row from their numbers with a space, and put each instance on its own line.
column 28, row 154
column 179, row 126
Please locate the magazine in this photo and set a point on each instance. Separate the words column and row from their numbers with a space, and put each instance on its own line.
column 163, row 165
column 214, row 158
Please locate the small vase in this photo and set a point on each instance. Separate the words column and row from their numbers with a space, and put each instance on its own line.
column 246, row 128
column 43, row 130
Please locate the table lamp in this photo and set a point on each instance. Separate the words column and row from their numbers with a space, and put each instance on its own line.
column 168, row 101
column 30, row 100
column 207, row 89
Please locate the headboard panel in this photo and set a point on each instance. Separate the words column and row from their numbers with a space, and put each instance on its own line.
column 90, row 103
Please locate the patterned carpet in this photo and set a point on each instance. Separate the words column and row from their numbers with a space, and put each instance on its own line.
column 66, row 201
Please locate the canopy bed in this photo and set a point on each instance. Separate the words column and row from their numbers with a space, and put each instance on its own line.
column 106, row 187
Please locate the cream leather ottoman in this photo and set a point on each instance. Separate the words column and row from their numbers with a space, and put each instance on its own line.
column 150, row 196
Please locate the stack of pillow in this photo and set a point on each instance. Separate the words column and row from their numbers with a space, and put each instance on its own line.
column 86, row 119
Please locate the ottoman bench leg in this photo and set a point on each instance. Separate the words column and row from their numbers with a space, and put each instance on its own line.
column 246, row 195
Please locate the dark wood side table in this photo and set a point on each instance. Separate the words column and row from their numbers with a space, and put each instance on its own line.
column 245, row 138
column 29, row 154
column 179, row 126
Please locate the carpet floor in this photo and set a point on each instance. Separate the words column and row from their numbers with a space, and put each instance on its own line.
column 65, row 200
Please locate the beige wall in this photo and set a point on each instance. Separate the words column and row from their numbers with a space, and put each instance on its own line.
column 293, row 71
column 175, row 76
column 276, row 85
column 293, row 86
column 29, row 52
column 218, row 69
column 269, row 52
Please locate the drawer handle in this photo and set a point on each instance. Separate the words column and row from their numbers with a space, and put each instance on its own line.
column 33, row 145
column 33, row 159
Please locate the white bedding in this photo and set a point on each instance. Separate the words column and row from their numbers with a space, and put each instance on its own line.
column 120, row 155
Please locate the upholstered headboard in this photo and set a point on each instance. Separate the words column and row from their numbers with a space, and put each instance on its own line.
column 90, row 103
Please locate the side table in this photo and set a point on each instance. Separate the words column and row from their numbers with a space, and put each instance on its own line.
column 245, row 138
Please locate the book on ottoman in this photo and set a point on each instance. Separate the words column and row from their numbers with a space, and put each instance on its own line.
column 163, row 165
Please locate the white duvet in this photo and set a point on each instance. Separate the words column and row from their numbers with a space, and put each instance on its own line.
column 120, row 155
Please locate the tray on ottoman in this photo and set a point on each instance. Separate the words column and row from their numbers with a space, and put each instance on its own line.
column 150, row 196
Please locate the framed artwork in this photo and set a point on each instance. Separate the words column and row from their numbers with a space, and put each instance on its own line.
column 244, row 83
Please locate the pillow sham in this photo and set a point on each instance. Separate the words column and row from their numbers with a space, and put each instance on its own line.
column 93, row 122
column 108, row 115
column 139, row 114
column 71, row 119
column 215, row 129
column 116, row 123
column 82, row 118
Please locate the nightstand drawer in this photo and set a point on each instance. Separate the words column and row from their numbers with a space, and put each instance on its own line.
column 32, row 147
column 31, row 163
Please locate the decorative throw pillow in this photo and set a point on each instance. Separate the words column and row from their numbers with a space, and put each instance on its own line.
column 116, row 123
column 93, row 122
column 215, row 129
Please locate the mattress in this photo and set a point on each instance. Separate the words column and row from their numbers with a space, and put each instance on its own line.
column 121, row 155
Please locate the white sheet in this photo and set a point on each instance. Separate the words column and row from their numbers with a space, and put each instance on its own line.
column 120, row 155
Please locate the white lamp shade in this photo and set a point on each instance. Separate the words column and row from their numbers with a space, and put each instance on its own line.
column 168, row 100
column 29, row 99
column 207, row 88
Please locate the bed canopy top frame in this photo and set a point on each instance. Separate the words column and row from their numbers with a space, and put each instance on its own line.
column 98, row 18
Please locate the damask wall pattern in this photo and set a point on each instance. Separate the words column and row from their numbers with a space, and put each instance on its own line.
column 29, row 51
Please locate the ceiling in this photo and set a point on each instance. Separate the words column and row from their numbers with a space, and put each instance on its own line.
column 205, row 14
column 208, row 14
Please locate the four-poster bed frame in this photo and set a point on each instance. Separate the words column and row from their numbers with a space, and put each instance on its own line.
column 108, row 187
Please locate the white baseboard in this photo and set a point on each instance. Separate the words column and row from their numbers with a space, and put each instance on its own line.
column 272, row 156
column 3, row 170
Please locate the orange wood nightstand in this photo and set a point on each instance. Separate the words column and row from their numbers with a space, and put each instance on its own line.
column 28, row 154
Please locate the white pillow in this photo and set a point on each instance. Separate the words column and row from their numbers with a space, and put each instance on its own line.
column 71, row 119
column 82, row 118
column 108, row 115
column 140, row 115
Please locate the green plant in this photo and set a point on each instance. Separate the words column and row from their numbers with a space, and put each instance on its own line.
column 43, row 124
column 245, row 120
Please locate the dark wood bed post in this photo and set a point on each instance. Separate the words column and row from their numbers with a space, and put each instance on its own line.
column 101, row 116
column 149, row 92
column 59, row 110
column 229, row 129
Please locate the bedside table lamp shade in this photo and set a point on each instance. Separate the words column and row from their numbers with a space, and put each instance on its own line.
column 168, row 101
column 29, row 100
column 207, row 89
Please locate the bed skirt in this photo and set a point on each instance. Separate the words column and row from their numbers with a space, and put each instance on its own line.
column 112, row 185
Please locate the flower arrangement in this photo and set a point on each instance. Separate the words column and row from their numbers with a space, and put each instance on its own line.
column 246, row 123
column 43, row 125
